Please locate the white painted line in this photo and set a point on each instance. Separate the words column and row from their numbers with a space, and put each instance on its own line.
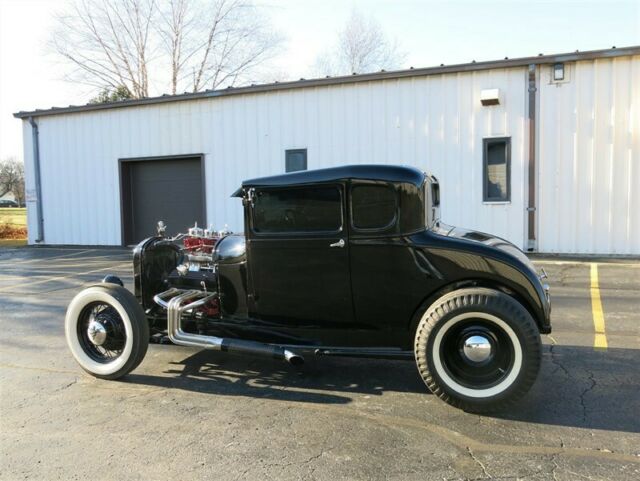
column 585, row 262
column 59, row 278
column 44, row 259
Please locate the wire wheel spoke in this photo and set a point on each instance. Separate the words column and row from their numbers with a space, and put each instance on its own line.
column 101, row 332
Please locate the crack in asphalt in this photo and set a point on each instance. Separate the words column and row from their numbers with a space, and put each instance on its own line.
column 479, row 463
column 584, row 393
column 555, row 467
column 580, row 475
column 555, row 361
column 591, row 379
column 66, row 386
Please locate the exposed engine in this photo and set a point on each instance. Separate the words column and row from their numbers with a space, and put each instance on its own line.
column 196, row 269
column 198, row 246
column 200, row 251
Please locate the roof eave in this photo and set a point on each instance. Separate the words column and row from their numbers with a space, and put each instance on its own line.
column 350, row 79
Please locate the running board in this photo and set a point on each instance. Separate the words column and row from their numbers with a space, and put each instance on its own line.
column 374, row 352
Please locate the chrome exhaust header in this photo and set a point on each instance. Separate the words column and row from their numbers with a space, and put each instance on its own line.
column 178, row 301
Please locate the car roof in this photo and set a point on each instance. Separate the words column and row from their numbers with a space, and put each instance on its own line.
column 388, row 173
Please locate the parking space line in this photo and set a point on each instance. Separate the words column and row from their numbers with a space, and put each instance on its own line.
column 612, row 263
column 59, row 278
column 600, row 339
column 45, row 259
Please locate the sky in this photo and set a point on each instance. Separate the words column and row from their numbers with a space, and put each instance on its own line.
column 430, row 32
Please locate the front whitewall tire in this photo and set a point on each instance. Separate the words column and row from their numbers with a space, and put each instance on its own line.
column 135, row 326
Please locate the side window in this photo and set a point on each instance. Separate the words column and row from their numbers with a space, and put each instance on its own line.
column 295, row 160
column 497, row 170
column 373, row 206
column 307, row 209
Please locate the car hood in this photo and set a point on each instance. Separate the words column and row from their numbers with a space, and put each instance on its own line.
column 488, row 240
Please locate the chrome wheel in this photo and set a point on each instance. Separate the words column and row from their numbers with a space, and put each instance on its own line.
column 476, row 351
column 477, row 348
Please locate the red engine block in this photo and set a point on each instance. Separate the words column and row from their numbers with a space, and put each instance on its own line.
column 203, row 244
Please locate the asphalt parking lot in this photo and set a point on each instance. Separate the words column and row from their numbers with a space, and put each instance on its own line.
column 189, row 414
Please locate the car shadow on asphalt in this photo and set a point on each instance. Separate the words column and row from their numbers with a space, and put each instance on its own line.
column 319, row 380
column 577, row 386
column 585, row 388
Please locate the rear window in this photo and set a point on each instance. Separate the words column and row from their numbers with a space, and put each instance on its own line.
column 373, row 206
column 312, row 209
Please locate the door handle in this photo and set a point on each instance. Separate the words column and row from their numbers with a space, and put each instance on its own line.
column 340, row 243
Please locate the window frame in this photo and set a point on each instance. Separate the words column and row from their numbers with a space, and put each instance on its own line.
column 486, row 142
column 396, row 214
column 304, row 234
column 295, row 151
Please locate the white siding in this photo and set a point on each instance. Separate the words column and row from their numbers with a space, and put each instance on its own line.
column 589, row 154
column 436, row 123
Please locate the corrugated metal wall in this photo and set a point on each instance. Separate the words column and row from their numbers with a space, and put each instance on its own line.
column 589, row 154
column 436, row 123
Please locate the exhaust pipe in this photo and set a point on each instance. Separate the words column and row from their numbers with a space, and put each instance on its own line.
column 173, row 300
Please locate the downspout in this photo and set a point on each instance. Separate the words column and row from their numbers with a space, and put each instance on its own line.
column 532, row 244
column 36, row 167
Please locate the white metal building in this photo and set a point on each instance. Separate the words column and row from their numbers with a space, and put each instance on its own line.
column 543, row 151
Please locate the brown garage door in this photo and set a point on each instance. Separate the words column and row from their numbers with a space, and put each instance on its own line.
column 168, row 189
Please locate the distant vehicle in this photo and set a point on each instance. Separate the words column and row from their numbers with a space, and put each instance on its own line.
column 8, row 203
column 350, row 261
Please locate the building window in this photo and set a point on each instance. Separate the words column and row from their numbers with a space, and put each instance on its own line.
column 295, row 159
column 373, row 206
column 302, row 210
column 497, row 170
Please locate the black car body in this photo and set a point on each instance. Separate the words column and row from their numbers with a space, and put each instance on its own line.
column 351, row 261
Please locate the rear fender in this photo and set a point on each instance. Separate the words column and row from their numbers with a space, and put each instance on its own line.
column 453, row 286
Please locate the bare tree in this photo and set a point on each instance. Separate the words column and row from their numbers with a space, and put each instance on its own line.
column 150, row 46
column 108, row 43
column 214, row 42
column 175, row 25
column 362, row 47
column 12, row 179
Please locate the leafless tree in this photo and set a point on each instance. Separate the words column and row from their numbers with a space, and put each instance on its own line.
column 362, row 47
column 12, row 178
column 151, row 46
column 211, row 43
column 108, row 43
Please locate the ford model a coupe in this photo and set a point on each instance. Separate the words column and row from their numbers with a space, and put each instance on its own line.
column 347, row 261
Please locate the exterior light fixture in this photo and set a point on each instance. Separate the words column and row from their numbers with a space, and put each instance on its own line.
column 490, row 97
column 558, row 72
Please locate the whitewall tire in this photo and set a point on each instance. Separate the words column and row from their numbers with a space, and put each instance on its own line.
column 106, row 330
column 478, row 349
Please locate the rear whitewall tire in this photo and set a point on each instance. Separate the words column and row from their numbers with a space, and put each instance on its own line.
column 135, row 325
column 517, row 342
column 477, row 393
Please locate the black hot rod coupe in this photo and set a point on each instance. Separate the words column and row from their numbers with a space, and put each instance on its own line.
column 346, row 261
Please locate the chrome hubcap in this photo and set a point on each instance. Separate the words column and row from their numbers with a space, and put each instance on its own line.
column 477, row 348
column 97, row 333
